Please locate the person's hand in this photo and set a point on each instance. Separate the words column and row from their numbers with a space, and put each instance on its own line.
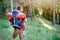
column 25, row 20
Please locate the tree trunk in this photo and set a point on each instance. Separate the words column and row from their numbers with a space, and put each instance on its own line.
column 53, row 17
column 30, row 9
column 59, row 18
column 53, row 14
column 16, row 4
column 11, row 5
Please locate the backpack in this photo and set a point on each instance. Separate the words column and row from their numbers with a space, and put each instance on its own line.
column 15, row 21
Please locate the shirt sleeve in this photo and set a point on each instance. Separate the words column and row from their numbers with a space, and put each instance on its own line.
column 25, row 19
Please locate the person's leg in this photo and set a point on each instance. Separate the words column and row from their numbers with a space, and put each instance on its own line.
column 21, row 35
column 16, row 32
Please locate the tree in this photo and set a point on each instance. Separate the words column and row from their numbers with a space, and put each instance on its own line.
column 53, row 14
column 11, row 5
column 4, row 6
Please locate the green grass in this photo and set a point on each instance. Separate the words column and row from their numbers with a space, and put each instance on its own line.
column 3, row 17
column 35, row 30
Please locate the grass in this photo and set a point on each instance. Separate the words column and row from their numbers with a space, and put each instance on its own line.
column 3, row 17
column 35, row 30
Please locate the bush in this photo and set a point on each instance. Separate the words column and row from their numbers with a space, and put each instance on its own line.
column 4, row 23
column 3, row 17
column 4, row 6
column 35, row 11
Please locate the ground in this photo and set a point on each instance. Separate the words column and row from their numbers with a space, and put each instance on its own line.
column 39, row 29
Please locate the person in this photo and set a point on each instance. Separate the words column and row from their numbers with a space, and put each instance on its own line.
column 22, row 18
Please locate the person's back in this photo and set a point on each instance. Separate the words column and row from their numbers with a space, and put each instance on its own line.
column 21, row 18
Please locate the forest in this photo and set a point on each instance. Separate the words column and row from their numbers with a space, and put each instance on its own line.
column 43, row 19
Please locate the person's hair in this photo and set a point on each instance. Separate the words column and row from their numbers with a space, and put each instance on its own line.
column 18, row 7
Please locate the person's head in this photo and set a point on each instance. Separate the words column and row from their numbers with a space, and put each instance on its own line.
column 19, row 8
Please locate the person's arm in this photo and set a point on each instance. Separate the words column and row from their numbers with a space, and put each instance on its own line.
column 25, row 19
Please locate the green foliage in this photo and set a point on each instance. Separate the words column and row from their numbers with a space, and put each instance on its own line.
column 4, row 5
column 4, row 23
column 25, row 10
column 3, row 17
column 58, row 14
column 57, row 8
column 47, row 13
column 35, row 11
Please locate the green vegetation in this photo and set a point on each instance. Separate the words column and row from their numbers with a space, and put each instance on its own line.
column 48, row 12
column 35, row 30
column 35, row 11
column 4, row 6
